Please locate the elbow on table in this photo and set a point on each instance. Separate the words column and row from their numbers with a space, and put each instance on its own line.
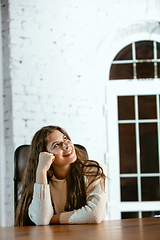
column 98, row 219
column 42, row 224
column 40, row 218
column 99, row 215
column 39, row 222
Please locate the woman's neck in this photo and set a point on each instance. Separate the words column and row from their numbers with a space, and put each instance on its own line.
column 61, row 172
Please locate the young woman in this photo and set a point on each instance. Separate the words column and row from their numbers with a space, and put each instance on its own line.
column 60, row 184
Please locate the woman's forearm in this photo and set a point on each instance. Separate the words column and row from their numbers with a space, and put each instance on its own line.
column 41, row 210
column 41, row 176
column 45, row 161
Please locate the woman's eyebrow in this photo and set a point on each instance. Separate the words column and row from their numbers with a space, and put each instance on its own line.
column 54, row 143
column 57, row 141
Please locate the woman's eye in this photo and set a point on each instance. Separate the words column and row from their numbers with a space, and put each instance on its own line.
column 56, row 145
column 65, row 138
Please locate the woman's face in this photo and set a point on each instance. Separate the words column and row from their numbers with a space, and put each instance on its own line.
column 62, row 148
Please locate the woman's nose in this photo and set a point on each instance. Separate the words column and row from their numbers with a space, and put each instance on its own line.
column 64, row 146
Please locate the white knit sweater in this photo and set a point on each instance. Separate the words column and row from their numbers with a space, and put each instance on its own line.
column 50, row 199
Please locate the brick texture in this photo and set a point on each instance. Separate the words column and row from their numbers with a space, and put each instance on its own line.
column 49, row 66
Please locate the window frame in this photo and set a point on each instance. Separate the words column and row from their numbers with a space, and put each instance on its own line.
column 134, row 61
column 123, row 88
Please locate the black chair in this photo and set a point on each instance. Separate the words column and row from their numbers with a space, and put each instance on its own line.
column 20, row 161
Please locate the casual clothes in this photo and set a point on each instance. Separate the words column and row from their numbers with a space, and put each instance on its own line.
column 50, row 199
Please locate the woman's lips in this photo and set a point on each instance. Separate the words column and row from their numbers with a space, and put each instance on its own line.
column 68, row 153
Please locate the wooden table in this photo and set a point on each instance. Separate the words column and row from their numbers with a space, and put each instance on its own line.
column 126, row 229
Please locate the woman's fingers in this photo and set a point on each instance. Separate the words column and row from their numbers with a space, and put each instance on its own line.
column 45, row 160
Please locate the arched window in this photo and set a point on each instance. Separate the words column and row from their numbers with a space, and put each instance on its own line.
column 134, row 131
column 138, row 60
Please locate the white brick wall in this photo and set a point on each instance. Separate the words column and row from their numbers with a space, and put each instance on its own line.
column 50, row 50
column 7, row 99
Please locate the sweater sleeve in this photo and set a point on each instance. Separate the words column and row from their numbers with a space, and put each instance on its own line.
column 95, row 209
column 41, row 210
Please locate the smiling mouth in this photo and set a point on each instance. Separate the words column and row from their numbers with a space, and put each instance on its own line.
column 67, row 153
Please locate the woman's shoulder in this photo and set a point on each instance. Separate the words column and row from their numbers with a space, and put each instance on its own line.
column 90, row 162
column 91, row 166
column 92, row 172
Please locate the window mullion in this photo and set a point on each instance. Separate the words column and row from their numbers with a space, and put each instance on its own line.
column 138, row 148
column 134, row 60
column 158, row 127
column 155, row 58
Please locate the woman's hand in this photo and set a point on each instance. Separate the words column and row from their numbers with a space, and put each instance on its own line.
column 45, row 161
column 55, row 219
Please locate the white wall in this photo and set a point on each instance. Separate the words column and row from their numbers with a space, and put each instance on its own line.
column 8, row 120
column 2, row 144
column 52, row 74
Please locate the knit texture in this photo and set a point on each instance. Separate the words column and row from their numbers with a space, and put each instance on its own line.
column 51, row 198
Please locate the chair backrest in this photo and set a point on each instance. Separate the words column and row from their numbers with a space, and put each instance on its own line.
column 20, row 161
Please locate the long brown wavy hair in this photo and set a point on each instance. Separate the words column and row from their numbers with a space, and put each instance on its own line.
column 76, row 193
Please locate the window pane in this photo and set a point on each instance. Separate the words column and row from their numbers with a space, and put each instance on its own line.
column 126, row 215
column 145, row 70
column 127, row 145
column 129, row 189
column 144, row 50
column 147, row 107
column 150, row 188
column 148, row 147
column 125, row 53
column 126, row 108
column 150, row 214
column 158, row 69
column 158, row 50
column 121, row 71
